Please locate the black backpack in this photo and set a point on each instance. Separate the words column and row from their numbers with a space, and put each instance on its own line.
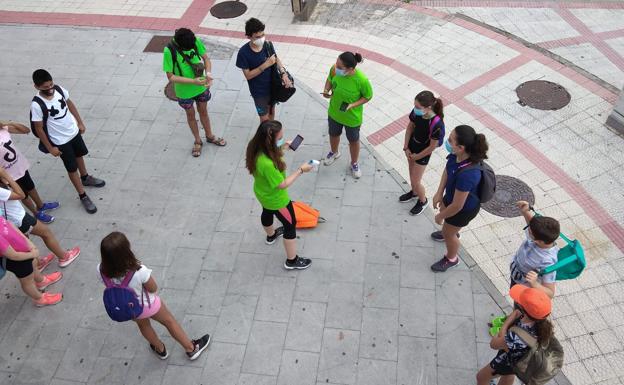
column 44, row 110
column 487, row 185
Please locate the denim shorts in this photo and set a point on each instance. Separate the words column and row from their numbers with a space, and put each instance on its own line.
column 201, row 98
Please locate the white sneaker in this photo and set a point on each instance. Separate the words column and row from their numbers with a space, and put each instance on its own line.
column 355, row 170
column 331, row 157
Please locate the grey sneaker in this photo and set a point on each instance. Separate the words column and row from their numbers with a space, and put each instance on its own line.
column 444, row 264
column 331, row 157
column 437, row 236
column 92, row 181
column 88, row 204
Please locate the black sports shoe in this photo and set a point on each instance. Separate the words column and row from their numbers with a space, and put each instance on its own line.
column 408, row 196
column 444, row 264
column 278, row 233
column 162, row 355
column 419, row 207
column 88, row 204
column 200, row 345
column 437, row 236
column 92, row 181
column 297, row 263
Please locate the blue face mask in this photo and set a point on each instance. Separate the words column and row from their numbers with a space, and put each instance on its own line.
column 280, row 142
column 418, row 112
column 340, row 72
column 448, row 146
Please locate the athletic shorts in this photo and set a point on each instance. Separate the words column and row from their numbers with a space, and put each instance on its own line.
column 335, row 129
column 463, row 218
column 21, row 269
column 70, row 151
column 28, row 222
column 26, row 183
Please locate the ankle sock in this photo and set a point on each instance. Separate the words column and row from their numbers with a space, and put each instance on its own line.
column 82, row 195
column 84, row 177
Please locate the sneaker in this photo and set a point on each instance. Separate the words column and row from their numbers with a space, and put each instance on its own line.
column 408, row 196
column 297, row 263
column 419, row 208
column 437, row 236
column 355, row 170
column 331, row 157
column 43, row 262
column 200, row 345
column 43, row 217
column 444, row 264
column 48, row 280
column 48, row 299
column 69, row 257
column 47, row 206
column 162, row 355
column 92, row 181
column 278, row 233
column 88, row 204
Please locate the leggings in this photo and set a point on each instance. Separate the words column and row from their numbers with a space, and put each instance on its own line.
column 285, row 215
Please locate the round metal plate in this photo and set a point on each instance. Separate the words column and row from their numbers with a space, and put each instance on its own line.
column 542, row 95
column 228, row 9
column 509, row 190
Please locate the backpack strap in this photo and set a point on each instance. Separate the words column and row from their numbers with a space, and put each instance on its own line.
column 127, row 278
column 471, row 166
column 432, row 124
column 59, row 90
column 525, row 336
column 174, row 57
column 44, row 110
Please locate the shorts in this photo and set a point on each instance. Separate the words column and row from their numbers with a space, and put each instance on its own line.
column 21, row 269
column 463, row 218
column 264, row 105
column 28, row 222
column 335, row 129
column 26, row 183
column 204, row 97
column 415, row 150
column 75, row 148
column 150, row 311
column 501, row 367
column 286, row 215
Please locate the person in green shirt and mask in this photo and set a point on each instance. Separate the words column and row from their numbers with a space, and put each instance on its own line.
column 189, row 85
column 348, row 90
column 264, row 160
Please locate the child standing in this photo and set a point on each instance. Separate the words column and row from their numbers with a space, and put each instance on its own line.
column 60, row 130
column 118, row 262
column 538, row 251
column 17, row 166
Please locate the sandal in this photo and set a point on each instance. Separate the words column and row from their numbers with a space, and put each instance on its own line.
column 216, row 141
column 197, row 147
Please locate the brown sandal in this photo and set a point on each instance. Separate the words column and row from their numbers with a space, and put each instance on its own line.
column 197, row 148
column 216, row 141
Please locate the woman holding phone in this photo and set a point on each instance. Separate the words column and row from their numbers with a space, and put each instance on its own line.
column 348, row 90
column 264, row 160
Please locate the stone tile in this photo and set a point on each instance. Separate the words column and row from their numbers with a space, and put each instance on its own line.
column 354, row 224
column 416, row 315
column 81, row 355
column 338, row 363
column 221, row 255
column 379, row 334
column 109, row 371
column 381, row 286
column 40, row 366
column 223, row 364
column 599, row 368
column 314, row 284
column 209, row 292
column 182, row 375
column 349, row 262
column 184, row 275
column 416, row 361
column 17, row 343
column 305, row 326
column 454, row 293
column 456, row 376
column 236, row 318
column 415, row 271
column 248, row 274
column 298, row 368
column 256, row 379
column 584, row 346
column 376, row 372
column 456, row 342
column 344, row 308
column 275, row 299
column 264, row 350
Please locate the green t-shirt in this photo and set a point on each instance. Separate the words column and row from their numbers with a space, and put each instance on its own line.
column 185, row 91
column 348, row 89
column 266, row 179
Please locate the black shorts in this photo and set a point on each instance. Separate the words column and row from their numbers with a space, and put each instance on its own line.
column 28, row 222
column 335, row 129
column 26, row 183
column 462, row 218
column 501, row 367
column 71, row 150
column 264, row 105
column 414, row 149
column 21, row 269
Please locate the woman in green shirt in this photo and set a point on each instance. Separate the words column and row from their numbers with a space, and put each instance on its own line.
column 348, row 90
column 264, row 160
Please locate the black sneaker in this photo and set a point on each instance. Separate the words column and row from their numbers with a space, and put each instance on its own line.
column 297, row 263
column 200, row 345
column 408, row 196
column 278, row 233
column 437, row 236
column 88, row 204
column 419, row 207
column 444, row 264
column 162, row 355
column 92, row 181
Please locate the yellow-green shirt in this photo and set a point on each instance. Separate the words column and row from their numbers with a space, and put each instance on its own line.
column 267, row 178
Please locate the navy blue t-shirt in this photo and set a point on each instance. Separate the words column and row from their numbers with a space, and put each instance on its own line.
column 468, row 180
column 247, row 59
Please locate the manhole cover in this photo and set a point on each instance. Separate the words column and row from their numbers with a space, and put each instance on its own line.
column 542, row 95
column 509, row 190
column 157, row 44
column 228, row 9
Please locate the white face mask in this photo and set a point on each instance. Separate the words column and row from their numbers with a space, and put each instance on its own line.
column 259, row 42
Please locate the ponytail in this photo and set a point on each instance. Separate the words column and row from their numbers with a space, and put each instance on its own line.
column 545, row 331
column 350, row 59
column 427, row 99
column 475, row 144
column 438, row 108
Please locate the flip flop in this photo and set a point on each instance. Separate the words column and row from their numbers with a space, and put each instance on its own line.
column 216, row 141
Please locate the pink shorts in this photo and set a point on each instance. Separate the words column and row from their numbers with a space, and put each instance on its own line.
column 149, row 311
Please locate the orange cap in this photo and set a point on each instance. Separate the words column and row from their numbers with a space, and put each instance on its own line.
column 535, row 302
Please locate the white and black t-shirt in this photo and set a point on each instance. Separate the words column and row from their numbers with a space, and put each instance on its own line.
column 14, row 210
column 62, row 126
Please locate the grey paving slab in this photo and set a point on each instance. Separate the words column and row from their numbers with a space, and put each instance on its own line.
column 416, row 315
column 376, row 372
column 264, row 350
column 223, row 364
column 298, row 368
column 381, row 286
column 379, row 338
column 338, row 363
column 275, row 299
column 417, row 361
column 305, row 326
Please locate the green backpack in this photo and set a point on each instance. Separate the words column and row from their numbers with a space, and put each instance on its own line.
column 542, row 363
column 570, row 261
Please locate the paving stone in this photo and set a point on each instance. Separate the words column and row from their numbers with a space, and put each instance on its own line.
column 315, row 283
column 416, row 316
column 305, row 326
column 223, row 364
column 182, row 374
column 381, row 286
column 377, row 372
column 236, row 318
column 379, row 334
column 456, row 342
column 454, row 293
column 298, row 368
column 344, row 309
column 264, row 350
column 338, row 363
column 256, row 379
column 208, row 293
column 81, row 355
column 40, row 366
column 416, row 360
column 275, row 299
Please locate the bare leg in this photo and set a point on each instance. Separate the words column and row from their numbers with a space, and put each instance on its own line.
column 30, row 205
column 485, row 375
column 81, row 166
column 34, row 195
column 202, row 108
column 416, row 173
column 44, row 232
column 269, row 230
column 507, row 380
column 264, row 118
column 334, row 142
column 28, row 286
column 165, row 317
column 74, row 177
column 190, row 118
column 291, row 248
column 354, row 149
column 450, row 238
column 272, row 112
column 145, row 326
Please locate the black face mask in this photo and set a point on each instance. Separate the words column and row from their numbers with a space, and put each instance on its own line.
column 49, row 92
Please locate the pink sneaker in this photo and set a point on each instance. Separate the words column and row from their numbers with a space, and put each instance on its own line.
column 49, row 280
column 43, row 262
column 69, row 257
column 49, row 299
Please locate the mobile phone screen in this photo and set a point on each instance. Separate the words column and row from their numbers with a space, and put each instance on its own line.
column 296, row 142
column 343, row 106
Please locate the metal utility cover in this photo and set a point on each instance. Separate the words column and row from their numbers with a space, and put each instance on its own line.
column 509, row 190
column 228, row 9
column 157, row 44
column 542, row 95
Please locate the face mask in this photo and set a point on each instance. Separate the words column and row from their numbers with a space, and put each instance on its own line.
column 259, row 42
column 280, row 142
column 340, row 72
column 49, row 92
column 418, row 112
column 448, row 146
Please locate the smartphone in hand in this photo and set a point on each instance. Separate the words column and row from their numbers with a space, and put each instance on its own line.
column 296, row 142
column 343, row 106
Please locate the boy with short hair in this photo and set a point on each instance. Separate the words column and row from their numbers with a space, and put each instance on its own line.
column 539, row 250
column 62, row 134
